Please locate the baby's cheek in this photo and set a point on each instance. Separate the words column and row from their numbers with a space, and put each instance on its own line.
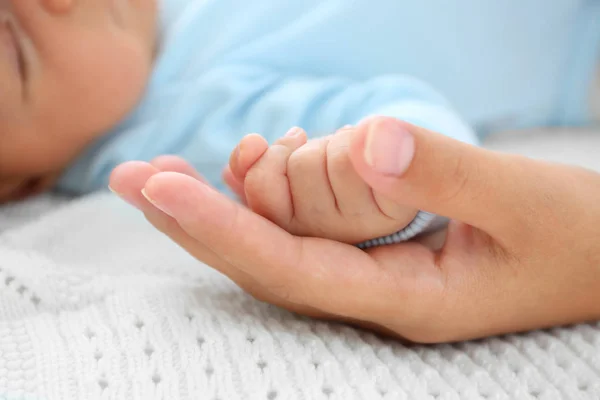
column 95, row 93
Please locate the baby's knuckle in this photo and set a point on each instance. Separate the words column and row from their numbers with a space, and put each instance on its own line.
column 255, row 180
column 338, row 161
column 302, row 161
column 295, row 160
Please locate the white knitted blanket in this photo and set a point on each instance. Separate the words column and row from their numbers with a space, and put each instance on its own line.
column 96, row 305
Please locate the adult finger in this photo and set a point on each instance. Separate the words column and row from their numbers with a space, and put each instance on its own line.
column 129, row 179
column 436, row 173
column 333, row 277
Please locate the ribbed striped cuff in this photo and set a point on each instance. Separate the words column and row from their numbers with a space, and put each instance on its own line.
column 424, row 222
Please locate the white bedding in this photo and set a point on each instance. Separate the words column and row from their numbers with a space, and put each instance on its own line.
column 96, row 305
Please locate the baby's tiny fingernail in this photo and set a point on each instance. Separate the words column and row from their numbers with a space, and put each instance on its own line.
column 155, row 204
column 293, row 132
column 236, row 153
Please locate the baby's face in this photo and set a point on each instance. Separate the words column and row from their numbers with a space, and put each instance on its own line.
column 69, row 71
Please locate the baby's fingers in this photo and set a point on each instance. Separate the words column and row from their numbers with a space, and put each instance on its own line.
column 266, row 183
column 236, row 186
column 246, row 154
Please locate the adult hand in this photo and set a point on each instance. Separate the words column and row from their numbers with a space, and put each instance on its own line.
column 526, row 254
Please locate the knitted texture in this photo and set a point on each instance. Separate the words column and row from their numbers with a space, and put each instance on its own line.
column 94, row 304
column 419, row 224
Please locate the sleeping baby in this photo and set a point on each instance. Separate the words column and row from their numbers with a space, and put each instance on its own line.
column 89, row 84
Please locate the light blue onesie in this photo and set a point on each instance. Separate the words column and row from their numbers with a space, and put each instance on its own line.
column 231, row 67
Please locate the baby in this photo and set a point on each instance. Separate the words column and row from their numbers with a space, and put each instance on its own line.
column 69, row 71
column 89, row 84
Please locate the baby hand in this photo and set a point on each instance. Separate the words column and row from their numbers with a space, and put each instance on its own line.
column 310, row 188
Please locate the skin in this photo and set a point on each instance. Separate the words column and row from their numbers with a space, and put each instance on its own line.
column 52, row 105
column 309, row 188
column 526, row 255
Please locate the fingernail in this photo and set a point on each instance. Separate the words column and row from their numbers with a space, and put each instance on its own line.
column 236, row 155
column 389, row 148
column 155, row 204
column 293, row 132
column 114, row 191
column 123, row 197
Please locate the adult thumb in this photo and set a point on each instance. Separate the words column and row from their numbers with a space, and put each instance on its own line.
column 435, row 173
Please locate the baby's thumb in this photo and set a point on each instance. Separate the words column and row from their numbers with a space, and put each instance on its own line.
column 432, row 172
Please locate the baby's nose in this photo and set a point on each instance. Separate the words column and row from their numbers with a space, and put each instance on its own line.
column 58, row 6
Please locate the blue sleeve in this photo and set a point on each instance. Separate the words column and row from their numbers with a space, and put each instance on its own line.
column 204, row 119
